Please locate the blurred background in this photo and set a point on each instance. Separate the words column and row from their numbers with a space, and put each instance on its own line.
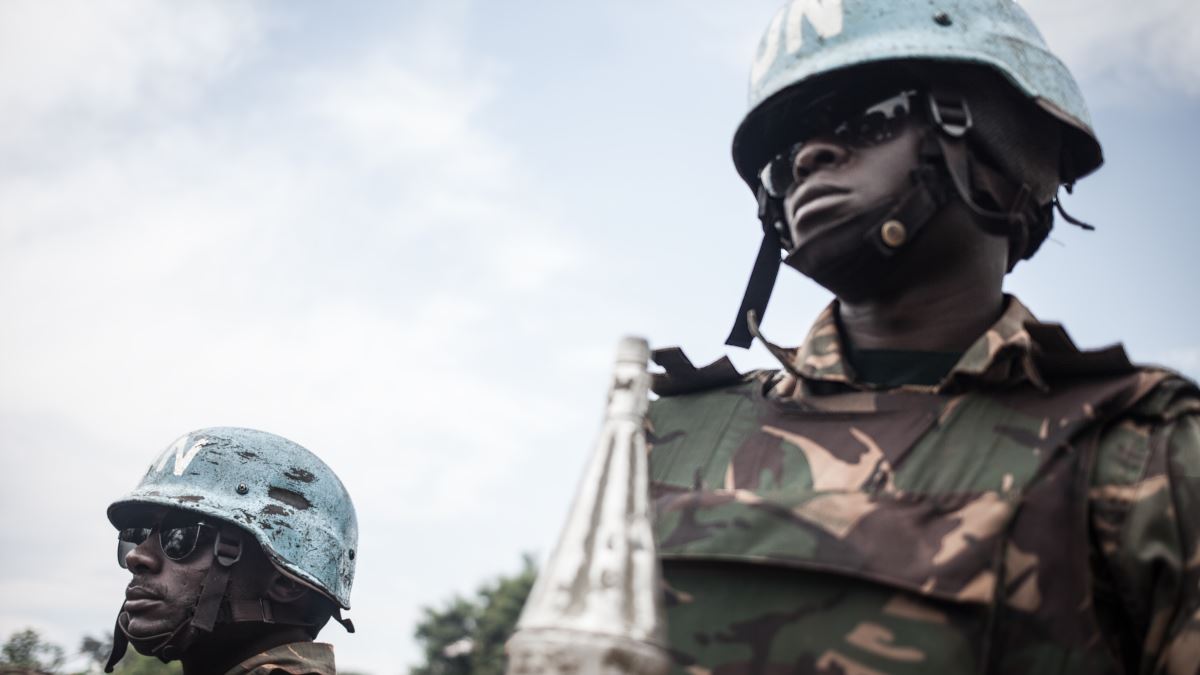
column 408, row 236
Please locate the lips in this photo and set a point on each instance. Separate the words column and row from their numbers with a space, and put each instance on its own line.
column 813, row 205
column 138, row 598
column 811, row 192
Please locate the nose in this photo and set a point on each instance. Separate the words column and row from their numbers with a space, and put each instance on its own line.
column 815, row 155
column 145, row 558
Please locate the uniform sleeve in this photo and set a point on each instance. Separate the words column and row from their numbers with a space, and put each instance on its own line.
column 1145, row 517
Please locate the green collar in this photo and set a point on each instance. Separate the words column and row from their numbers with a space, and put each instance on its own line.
column 1002, row 354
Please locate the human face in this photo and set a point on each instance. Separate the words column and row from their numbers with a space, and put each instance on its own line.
column 163, row 591
column 852, row 167
column 835, row 187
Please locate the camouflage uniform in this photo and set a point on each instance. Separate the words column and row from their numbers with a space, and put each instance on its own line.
column 297, row 658
column 1037, row 511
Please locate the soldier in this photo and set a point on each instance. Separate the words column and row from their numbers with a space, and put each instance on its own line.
column 935, row 481
column 242, row 546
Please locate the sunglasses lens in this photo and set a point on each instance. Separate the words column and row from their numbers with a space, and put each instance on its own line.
column 133, row 535
column 776, row 177
column 179, row 542
column 878, row 123
column 128, row 539
column 123, row 549
column 868, row 126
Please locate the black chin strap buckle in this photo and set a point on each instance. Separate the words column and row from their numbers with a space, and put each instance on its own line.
column 951, row 114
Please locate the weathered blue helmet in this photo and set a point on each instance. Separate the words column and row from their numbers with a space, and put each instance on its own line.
column 287, row 498
column 810, row 41
column 991, row 86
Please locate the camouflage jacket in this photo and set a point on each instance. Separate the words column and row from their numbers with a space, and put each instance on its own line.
column 297, row 658
column 1038, row 511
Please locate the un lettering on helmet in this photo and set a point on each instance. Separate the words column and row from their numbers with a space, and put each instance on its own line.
column 787, row 28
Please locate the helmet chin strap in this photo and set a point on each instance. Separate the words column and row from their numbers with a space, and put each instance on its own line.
column 227, row 551
column 884, row 230
column 766, row 269
column 867, row 241
column 162, row 642
column 945, row 165
column 213, row 606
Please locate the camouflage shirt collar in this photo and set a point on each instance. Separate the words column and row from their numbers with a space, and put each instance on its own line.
column 296, row 658
column 1002, row 354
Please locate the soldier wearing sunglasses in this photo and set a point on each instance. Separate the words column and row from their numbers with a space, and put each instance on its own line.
column 934, row 481
column 241, row 546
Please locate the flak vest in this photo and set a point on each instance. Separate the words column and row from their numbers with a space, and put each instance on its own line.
column 990, row 525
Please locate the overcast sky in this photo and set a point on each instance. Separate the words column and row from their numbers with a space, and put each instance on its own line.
column 408, row 235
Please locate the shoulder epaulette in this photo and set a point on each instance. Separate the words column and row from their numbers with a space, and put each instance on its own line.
column 1175, row 396
column 1057, row 356
column 682, row 377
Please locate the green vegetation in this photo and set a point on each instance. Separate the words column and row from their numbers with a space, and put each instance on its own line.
column 464, row 637
column 467, row 635
column 25, row 649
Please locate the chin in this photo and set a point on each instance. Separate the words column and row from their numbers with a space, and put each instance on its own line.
column 838, row 257
column 147, row 629
column 825, row 223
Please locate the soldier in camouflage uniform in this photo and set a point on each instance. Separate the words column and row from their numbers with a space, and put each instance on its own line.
column 241, row 545
column 935, row 481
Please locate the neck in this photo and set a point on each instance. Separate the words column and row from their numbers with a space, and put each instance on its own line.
column 933, row 319
column 221, row 651
column 943, row 293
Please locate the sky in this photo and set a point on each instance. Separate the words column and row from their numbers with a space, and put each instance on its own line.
column 408, row 236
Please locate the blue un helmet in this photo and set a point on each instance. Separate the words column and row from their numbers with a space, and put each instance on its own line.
column 813, row 48
column 264, row 485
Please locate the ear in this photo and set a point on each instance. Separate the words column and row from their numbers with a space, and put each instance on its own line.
column 285, row 590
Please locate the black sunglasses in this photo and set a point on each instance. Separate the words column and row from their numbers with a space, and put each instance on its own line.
column 178, row 536
column 865, row 127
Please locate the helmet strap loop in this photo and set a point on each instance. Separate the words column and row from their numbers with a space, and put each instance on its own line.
column 346, row 623
column 952, row 118
column 227, row 551
column 1068, row 217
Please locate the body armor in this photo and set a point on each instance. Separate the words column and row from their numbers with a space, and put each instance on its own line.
column 939, row 529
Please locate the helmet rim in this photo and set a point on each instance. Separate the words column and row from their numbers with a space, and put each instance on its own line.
column 989, row 34
column 277, row 491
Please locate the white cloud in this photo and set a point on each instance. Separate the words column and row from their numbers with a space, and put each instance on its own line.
column 335, row 253
column 1122, row 49
column 331, row 258
column 74, row 57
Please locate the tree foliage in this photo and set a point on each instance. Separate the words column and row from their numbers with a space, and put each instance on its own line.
column 26, row 650
column 467, row 635
column 97, row 650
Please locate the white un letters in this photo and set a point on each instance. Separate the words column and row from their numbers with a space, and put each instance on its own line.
column 182, row 458
column 787, row 29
